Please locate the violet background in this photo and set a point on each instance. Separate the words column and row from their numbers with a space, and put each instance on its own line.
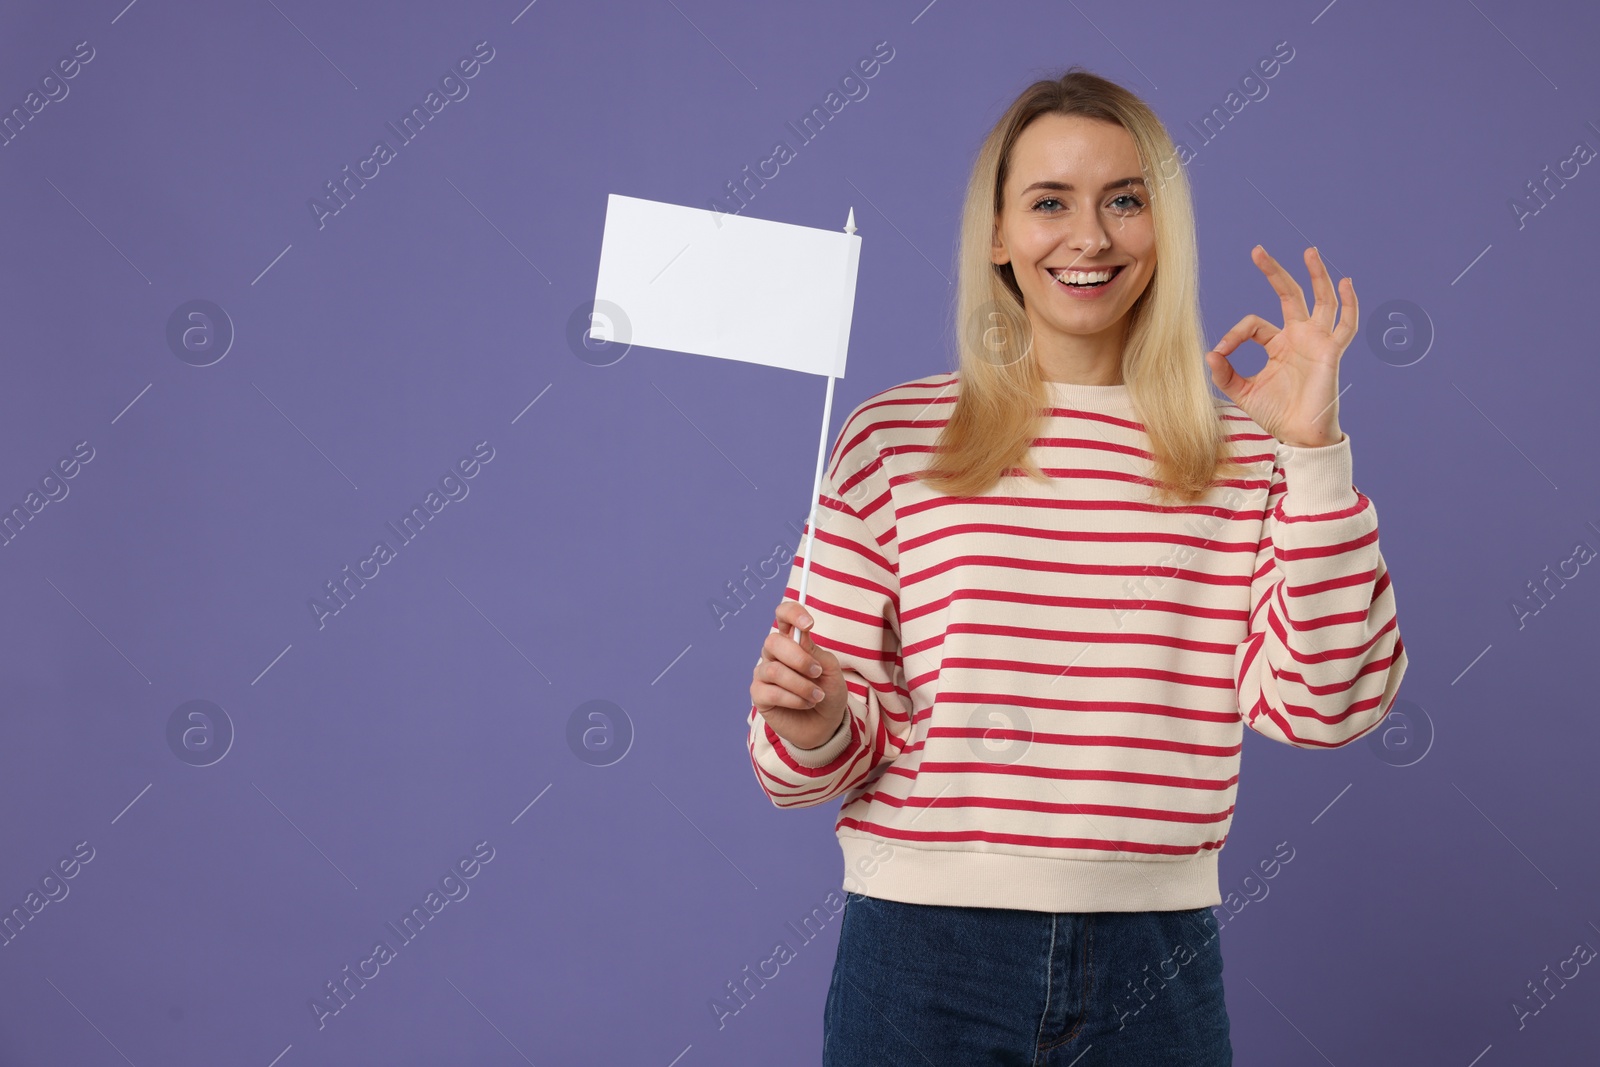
column 584, row 565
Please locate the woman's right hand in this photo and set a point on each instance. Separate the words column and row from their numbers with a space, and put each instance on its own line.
column 788, row 677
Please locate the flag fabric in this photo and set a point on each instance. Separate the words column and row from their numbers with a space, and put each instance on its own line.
column 714, row 284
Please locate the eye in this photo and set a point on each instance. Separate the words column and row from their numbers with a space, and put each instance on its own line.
column 1122, row 204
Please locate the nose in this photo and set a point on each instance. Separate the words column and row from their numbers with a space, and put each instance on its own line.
column 1087, row 236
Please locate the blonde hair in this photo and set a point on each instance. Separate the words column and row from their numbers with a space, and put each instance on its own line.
column 1002, row 401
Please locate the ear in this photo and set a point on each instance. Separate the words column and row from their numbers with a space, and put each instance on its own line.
column 997, row 247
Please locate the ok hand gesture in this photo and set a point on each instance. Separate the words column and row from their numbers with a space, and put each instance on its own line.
column 1295, row 396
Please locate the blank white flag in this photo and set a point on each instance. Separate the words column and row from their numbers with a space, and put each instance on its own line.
column 713, row 284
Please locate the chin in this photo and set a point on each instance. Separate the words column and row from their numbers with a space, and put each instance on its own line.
column 1090, row 323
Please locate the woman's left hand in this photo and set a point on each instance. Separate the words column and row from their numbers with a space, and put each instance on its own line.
column 1295, row 396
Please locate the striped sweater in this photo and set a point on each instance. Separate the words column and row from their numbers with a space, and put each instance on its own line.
column 1049, row 683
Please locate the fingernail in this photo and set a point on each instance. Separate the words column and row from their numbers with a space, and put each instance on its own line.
column 817, row 694
column 805, row 620
column 816, row 669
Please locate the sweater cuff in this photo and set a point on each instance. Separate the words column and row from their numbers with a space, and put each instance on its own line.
column 826, row 752
column 1317, row 480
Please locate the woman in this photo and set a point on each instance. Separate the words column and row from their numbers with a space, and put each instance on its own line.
column 1048, row 592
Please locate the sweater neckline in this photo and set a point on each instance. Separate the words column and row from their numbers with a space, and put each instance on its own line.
column 1071, row 393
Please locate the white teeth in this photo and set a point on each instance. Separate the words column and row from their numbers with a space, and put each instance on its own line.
column 1083, row 277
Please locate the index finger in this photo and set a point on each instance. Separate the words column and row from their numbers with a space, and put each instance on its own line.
column 791, row 613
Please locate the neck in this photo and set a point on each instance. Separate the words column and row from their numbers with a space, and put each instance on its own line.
column 1080, row 359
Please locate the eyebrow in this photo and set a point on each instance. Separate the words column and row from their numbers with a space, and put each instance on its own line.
column 1120, row 183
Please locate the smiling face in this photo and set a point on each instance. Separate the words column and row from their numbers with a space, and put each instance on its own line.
column 1075, row 225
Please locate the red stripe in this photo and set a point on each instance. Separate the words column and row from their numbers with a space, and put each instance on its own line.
column 1322, row 551
column 1075, row 774
column 1120, row 537
column 828, row 536
column 1137, row 507
column 1040, row 737
column 851, row 751
column 1043, row 600
column 880, row 796
column 896, row 834
column 1361, row 504
column 1053, row 670
column 1125, row 707
column 1079, row 637
column 1316, row 654
column 1053, row 567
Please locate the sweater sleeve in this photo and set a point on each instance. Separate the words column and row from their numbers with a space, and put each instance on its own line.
column 1323, row 660
column 854, row 598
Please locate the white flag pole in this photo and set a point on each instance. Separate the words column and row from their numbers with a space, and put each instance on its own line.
column 822, row 454
column 816, row 492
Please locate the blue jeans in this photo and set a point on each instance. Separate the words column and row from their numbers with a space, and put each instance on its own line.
column 925, row 984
